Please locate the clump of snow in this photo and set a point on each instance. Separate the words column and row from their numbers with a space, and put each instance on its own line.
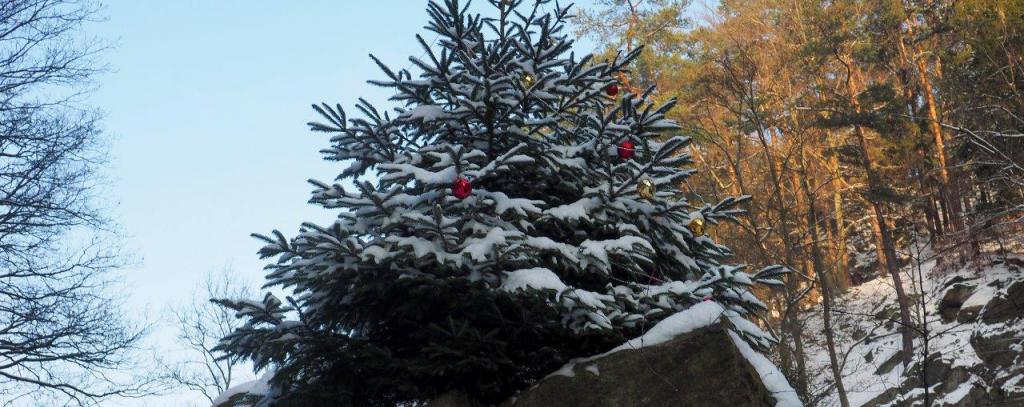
column 427, row 113
column 256, row 388
column 537, row 278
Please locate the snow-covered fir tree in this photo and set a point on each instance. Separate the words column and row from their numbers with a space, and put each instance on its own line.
column 515, row 212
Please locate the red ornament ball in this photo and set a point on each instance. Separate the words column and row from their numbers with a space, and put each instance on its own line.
column 626, row 150
column 612, row 90
column 707, row 299
column 461, row 188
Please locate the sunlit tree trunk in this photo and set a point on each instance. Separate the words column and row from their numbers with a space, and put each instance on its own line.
column 883, row 232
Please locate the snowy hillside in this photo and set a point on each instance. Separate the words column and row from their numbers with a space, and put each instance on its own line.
column 970, row 329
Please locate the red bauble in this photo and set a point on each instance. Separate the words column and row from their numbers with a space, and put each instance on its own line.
column 708, row 298
column 626, row 150
column 461, row 188
column 612, row 90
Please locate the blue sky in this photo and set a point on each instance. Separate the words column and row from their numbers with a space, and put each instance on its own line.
column 206, row 105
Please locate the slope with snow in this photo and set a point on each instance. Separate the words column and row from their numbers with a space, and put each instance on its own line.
column 970, row 329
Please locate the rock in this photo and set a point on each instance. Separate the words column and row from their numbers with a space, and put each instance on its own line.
column 956, row 280
column 702, row 368
column 1005, row 307
column 977, row 396
column 885, row 398
column 953, row 299
column 1000, row 390
column 969, row 314
column 942, row 379
column 890, row 363
column 996, row 349
column 888, row 316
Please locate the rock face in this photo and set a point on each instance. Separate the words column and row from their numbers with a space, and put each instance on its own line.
column 701, row 368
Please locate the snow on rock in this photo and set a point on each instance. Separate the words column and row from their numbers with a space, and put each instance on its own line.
column 771, row 376
column 698, row 316
column 980, row 297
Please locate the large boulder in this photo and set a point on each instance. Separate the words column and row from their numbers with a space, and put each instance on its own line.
column 953, row 299
column 701, row 368
column 998, row 348
column 694, row 358
column 1005, row 307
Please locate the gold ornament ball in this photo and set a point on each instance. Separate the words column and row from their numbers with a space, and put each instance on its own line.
column 528, row 80
column 646, row 189
column 697, row 226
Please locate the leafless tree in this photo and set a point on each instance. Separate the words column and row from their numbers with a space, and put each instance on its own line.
column 201, row 324
column 62, row 340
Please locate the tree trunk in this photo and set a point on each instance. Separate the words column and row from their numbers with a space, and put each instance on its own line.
column 894, row 272
column 884, row 234
column 823, row 283
column 842, row 257
column 947, row 190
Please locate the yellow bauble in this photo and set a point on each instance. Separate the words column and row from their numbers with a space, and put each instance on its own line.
column 697, row 226
column 646, row 189
column 528, row 80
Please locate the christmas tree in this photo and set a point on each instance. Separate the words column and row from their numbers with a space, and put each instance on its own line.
column 518, row 210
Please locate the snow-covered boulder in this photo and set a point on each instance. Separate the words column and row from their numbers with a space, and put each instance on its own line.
column 692, row 359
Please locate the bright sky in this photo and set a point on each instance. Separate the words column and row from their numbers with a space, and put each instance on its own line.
column 206, row 109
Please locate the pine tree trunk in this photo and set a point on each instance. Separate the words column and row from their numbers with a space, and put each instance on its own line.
column 876, row 232
column 926, row 189
column 842, row 258
column 947, row 191
column 901, row 296
column 883, row 232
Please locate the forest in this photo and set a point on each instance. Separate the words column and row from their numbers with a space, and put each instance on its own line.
column 861, row 129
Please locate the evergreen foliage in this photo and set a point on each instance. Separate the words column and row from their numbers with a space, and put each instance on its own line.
column 413, row 292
